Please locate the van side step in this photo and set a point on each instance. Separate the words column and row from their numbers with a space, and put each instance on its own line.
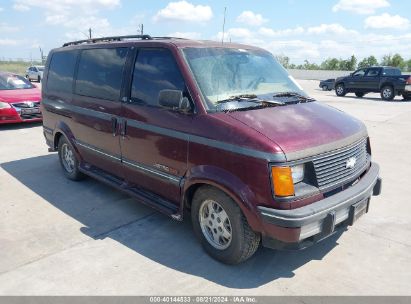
column 143, row 196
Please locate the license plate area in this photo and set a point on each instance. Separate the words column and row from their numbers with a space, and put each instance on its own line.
column 357, row 210
column 30, row 111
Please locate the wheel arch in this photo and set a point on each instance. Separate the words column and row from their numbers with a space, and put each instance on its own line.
column 385, row 84
column 226, row 182
column 62, row 129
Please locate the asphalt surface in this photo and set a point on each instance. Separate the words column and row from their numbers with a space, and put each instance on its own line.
column 59, row 237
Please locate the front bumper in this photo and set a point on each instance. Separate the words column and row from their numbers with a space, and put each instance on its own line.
column 302, row 227
column 10, row 115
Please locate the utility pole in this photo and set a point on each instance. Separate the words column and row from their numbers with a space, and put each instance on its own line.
column 141, row 29
column 89, row 33
column 41, row 55
column 222, row 39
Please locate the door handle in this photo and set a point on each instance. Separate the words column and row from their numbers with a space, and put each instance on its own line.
column 123, row 130
column 114, row 126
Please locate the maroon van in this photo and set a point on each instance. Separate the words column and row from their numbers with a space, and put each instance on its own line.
column 220, row 130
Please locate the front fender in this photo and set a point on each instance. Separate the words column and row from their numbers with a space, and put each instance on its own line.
column 231, row 185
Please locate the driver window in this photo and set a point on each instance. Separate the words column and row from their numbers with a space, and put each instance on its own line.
column 373, row 73
column 154, row 70
column 359, row 73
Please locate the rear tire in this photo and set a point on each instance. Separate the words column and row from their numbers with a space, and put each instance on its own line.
column 387, row 93
column 221, row 227
column 68, row 160
column 325, row 88
column 340, row 90
column 406, row 96
column 359, row 94
column 38, row 79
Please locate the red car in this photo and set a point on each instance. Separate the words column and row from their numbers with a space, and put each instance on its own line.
column 19, row 99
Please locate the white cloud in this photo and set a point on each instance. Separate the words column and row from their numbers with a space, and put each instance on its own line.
column 81, row 6
column 8, row 42
column 333, row 28
column 387, row 21
column 187, row 35
column 8, row 28
column 1, row 9
column 364, row 7
column 184, row 11
column 251, row 18
column 297, row 50
column 268, row 32
column 21, row 7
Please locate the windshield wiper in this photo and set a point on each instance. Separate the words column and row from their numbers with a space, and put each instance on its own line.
column 241, row 97
column 293, row 97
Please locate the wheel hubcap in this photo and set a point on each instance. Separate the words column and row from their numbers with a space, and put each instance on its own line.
column 67, row 158
column 387, row 93
column 339, row 90
column 215, row 224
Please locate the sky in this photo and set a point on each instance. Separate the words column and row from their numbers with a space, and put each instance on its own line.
column 300, row 29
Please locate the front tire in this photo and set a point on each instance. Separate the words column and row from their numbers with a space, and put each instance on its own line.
column 38, row 79
column 68, row 160
column 387, row 93
column 359, row 94
column 221, row 227
column 325, row 88
column 340, row 90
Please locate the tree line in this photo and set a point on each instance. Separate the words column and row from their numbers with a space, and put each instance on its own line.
column 350, row 64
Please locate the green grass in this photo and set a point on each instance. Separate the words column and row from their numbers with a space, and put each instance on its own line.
column 18, row 67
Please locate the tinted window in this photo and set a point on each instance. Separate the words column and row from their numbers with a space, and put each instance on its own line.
column 359, row 73
column 373, row 72
column 61, row 71
column 154, row 70
column 392, row 72
column 100, row 73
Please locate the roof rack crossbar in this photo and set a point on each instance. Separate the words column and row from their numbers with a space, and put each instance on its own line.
column 106, row 39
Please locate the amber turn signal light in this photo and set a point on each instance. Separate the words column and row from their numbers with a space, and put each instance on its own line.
column 282, row 181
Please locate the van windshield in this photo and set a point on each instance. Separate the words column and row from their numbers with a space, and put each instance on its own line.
column 239, row 76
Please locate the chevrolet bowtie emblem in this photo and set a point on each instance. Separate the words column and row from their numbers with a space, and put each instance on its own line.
column 350, row 163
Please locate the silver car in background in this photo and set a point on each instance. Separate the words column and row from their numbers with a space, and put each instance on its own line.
column 35, row 72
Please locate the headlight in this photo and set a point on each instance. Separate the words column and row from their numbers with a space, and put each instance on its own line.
column 4, row 105
column 284, row 178
column 297, row 173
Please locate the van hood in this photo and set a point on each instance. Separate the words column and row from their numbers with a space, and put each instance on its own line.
column 305, row 129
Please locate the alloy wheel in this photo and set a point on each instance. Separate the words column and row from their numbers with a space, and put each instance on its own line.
column 215, row 224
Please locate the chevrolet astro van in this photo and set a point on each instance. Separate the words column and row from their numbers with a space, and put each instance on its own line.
column 218, row 131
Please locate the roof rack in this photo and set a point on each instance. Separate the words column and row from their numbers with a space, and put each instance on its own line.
column 107, row 39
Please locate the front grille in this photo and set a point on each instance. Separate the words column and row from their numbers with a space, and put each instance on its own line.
column 22, row 107
column 331, row 168
column 34, row 104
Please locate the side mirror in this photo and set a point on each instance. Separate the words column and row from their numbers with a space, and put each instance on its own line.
column 173, row 99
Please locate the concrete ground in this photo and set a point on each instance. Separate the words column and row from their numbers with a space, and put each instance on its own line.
column 59, row 237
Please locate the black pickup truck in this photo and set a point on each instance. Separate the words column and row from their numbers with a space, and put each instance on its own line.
column 386, row 80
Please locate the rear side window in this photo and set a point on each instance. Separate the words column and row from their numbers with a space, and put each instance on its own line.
column 61, row 71
column 392, row 72
column 154, row 70
column 100, row 73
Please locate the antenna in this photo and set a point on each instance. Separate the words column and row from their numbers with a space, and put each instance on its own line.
column 225, row 10
column 89, row 33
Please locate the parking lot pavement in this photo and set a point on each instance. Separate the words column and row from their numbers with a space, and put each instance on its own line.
column 59, row 237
